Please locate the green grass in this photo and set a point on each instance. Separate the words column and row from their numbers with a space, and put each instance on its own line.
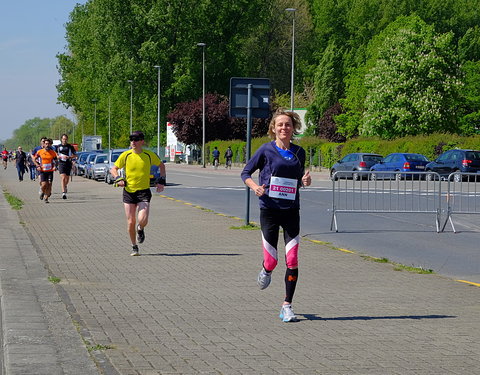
column 54, row 280
column 420, row 270
column 92, row 348
column 14, row 202
column 398, row 266
column 247, row 227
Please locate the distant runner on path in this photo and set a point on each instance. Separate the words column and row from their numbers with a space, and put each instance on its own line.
column 45, row 161
column 66, row 154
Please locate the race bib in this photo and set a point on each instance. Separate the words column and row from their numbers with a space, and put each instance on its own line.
column 283, row 188
column 46, row 166
column 63, row 157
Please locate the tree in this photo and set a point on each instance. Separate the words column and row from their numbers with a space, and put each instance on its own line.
column 187, row 124
column 470, row 108
column 413, row 85
column 327, row 127
column 328, row 83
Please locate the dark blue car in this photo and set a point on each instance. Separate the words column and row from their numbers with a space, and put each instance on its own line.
column 451, row 161
column 402, row 163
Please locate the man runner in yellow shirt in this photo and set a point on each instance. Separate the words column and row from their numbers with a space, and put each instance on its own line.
column 136, row 185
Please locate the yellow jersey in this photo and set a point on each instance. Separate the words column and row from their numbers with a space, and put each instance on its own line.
column 137, row 168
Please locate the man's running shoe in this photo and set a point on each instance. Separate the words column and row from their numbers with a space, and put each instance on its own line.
column 42, row 195
column 264, row 279
column 64, row 195
column 287, row 314
column 134, row 252
column 140, row 234
column 46, row 200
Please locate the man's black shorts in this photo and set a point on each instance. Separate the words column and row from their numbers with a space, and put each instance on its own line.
column 137, row 197
column 46, row 176
column 65, row 167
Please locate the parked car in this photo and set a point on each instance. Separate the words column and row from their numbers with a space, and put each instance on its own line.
column 400, row 162
column 81, row 160
column 350, row 165
column 99, row 167
column 464, row 161
column 81, row 163
column 89, row 164
column 76, row 161
column 112, row 158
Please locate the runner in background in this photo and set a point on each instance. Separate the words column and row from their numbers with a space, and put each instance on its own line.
column 5, row 158
column 66, row 154
column 45, row 160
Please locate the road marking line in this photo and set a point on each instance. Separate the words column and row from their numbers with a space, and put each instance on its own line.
column 468, row 282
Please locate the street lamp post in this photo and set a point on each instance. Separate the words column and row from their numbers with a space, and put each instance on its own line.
column 95, row 116
column 131, row 105
column 292, row 93
column 158, row 111
column 109, row 122
column 203, row 102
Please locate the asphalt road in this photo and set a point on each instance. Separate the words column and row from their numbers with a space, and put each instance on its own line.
column 409, row 239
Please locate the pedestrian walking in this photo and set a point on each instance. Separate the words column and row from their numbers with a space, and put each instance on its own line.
column 20, row 162
column 137, row 163
column 31, row 166
column 66, row 153
column 282, row 172
column 45, row 160
column 228, row 157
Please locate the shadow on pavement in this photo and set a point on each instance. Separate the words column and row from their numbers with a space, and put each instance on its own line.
column 189, row 255
column 395, row 317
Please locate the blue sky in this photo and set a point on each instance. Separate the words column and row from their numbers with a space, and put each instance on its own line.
column 32, row 32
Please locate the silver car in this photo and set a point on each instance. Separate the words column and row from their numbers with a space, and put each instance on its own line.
column 111, row 159
column 99, row 167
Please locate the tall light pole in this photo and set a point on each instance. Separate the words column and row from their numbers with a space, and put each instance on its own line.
column 94, row 101
column 203, row 102
column 109, row 122
column 131, row 105
column 158, row 111
column 292, row 93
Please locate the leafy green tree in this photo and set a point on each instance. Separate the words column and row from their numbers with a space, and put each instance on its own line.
column 413, row 85
column 328, row 83
column 470, row 109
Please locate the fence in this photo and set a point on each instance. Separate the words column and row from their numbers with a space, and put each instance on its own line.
column 387, row 192
column 462, row 196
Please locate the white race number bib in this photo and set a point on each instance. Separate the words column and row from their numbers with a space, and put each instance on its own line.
column 283, row 188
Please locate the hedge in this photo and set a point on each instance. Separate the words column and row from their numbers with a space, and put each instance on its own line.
column 323, row 154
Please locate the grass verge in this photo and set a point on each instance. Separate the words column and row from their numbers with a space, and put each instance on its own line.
column 247, row 227
column 398, row 266
column 14, row 202
column 54, row 279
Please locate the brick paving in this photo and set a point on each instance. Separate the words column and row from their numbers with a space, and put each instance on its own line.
column 190, row 304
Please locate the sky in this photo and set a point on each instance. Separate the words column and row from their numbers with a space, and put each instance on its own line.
column 32, row 33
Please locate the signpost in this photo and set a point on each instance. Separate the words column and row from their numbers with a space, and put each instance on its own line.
column 249, row 97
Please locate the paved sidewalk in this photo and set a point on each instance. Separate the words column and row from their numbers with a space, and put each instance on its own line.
column 190, row 304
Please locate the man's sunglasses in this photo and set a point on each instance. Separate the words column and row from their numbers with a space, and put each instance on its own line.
column 135, row 139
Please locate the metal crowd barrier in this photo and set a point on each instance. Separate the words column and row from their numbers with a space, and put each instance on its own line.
column 387, row 192
column 462, row 197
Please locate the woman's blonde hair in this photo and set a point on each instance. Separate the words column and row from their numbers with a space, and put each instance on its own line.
column 297, row 123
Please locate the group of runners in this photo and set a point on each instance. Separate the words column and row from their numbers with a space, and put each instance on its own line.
column 42, row 162
column 281, row 166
